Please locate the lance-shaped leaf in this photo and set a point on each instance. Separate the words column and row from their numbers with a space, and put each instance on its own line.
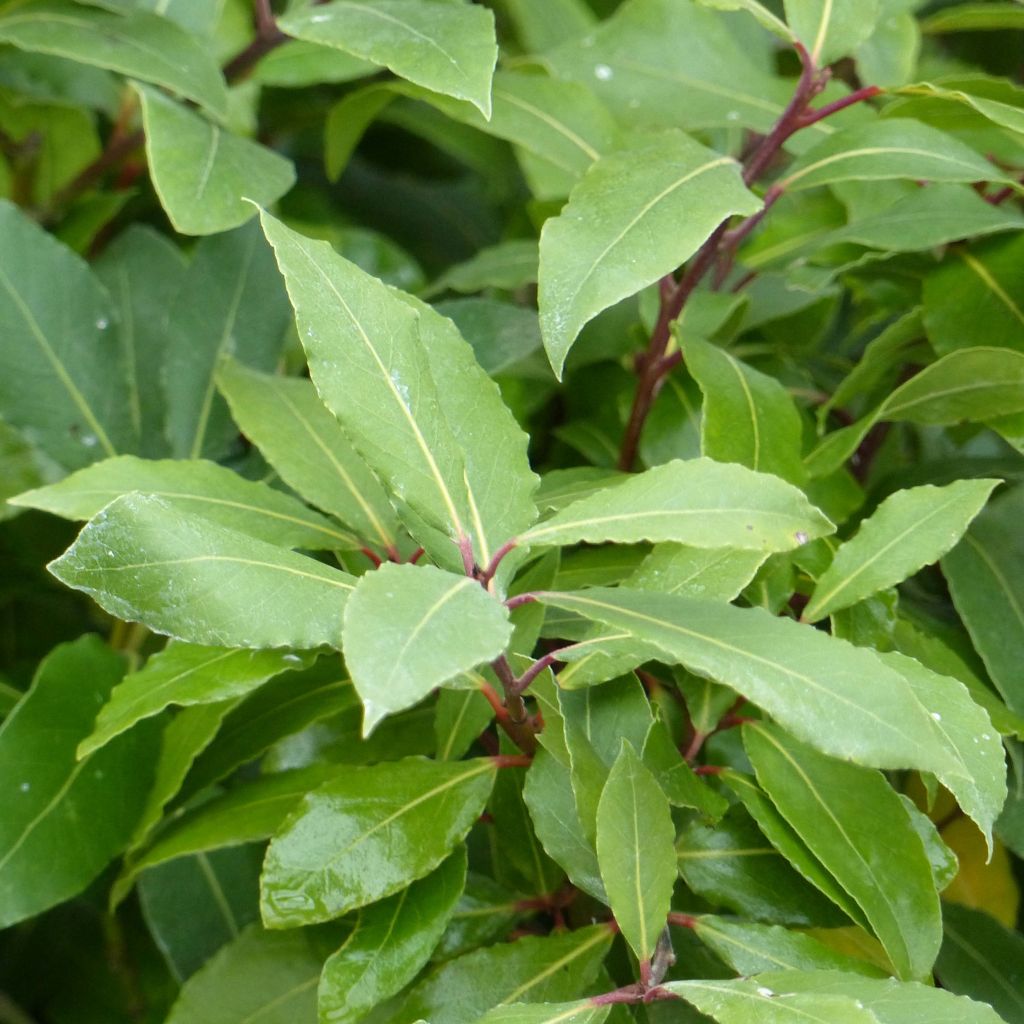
column 391, row 941
column 533, row 969
column 184, row 674
column 138, row 44
column 635, row 851
column 64, row 820
column 883, row 867
column 450, row 49
column 887, row 1001
column 366, row 359
column 699, row 502
column 143, row 559
column 831, row 29
column 747, row 1002
column 362, row 837
column 203, row 488
column 265, row 976
column 581, row 1012
column 233, row 302
column 747, row 416
column 636, row 215
column 285, row 419
column 986, row 579
column 894, row 148
column 756, row 10
column 201, row 171
column 408, row 629
column 74, row 402
column 459, row 717
column 840, row 698
column 910, row 529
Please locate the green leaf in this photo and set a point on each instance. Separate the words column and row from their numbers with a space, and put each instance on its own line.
column 977, row 775
column 365, row 356
column 582, row 1012
column 507, row 265
column 884, row 868
column 485, row 912
column 65, row 819
column 831, row 29
column 635, row 216
column 982, row 959
column 751, row 948
column 747, row 1002
column 365, row 836
column 265, row 976
column 764, row 17
column 408, row 629
column 532, row 969
column 143, row 272
column 236, row 306
column 698, row 502
column 203, row 172
column 449, row 48
column 193, row 906
column 74, row 403
column 910, row 529
column 137, row 44
column 732, row 864
column 391, row 941
column 838, row 697
column 887, row 1001
column 204, row 488
column 305, row 444
column 635, row 851
column 975, row 17
column 747, row 417
column 184, row 675
column 885, row 149
column 986, row 579
column 142, row 559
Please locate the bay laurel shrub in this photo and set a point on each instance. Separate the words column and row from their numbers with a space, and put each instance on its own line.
column 513, row 512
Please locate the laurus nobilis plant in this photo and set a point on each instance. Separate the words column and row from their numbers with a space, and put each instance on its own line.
column 552, row 542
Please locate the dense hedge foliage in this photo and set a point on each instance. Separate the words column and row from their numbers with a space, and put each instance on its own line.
column 552, row 485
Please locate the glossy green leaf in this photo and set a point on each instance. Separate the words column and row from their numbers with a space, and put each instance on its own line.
column 408, row 629
column 975, row 17
column 305, row 444
column 195, row 905
column 236, row 306
column 65, row 819
column 764, row 16
column 202, row 172
column 733, row 865
column 910, row 529
column 635, row 851
column 744, row 1002
column 582, row 1012
column 636, row 216
column 838, row 697
column 887, row 1001
column 143, row 272
column 986, row 579
column 751, row 948
column 145, row 560
column 138, row 44
column 831, row 29
column 982, row 959
column 391, row 941
column 698, row 502
column 747, row 416
column 363, row 346
column 884, row 869
column 265, row 976
column 894, row 148
column 183, row 674
column 367, row 835
column 484, row 913
column 533, row 969
column 74, row 404
column 507, row 265
column 211, row 491
column 449, row 48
